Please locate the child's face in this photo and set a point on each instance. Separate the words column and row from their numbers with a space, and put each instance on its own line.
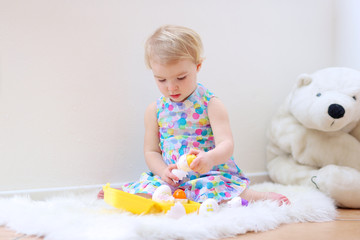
column 177, row 80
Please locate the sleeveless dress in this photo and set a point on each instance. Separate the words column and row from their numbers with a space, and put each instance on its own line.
column 183, row 126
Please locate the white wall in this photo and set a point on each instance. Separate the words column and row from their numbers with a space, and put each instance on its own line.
column 73, row 85
column 347, row 38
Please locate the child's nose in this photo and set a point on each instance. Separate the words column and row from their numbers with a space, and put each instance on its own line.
column 172, row 86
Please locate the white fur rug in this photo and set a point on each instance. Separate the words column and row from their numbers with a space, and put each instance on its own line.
column 83, row 217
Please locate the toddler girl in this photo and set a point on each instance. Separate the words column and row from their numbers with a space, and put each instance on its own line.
column 188, row 119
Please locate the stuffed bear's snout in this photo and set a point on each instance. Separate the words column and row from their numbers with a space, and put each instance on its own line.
column 336, row 111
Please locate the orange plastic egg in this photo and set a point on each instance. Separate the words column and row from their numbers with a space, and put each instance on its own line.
column 179, row 194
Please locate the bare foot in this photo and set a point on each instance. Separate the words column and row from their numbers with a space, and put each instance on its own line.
column 252, row 195
column 100, row 194
column 281, row 199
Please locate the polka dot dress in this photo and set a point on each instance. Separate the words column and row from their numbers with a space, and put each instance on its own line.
column 183, row 126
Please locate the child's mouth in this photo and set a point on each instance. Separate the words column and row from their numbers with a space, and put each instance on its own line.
column 175, row 96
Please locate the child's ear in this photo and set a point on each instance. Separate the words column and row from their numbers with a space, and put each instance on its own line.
column 198, row 67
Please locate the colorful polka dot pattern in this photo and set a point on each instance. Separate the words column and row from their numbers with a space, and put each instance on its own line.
column 183, row 126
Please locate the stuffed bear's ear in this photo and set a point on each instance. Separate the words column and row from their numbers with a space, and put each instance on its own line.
column 303, row 80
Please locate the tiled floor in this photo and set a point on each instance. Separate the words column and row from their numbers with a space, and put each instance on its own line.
column 346, row 227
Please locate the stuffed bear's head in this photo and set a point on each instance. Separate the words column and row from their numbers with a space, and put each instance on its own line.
column 327, row 100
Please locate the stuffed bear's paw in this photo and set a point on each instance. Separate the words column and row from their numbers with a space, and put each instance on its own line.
column 327, row 177
column 339, row 183
column 332, row 178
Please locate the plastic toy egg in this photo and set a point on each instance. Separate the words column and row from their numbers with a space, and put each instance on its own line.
column 177, row 211
column 180, row 196
column 163, row 194
column 185, row 161
column 183, row 166
column 237, row 202
column 179, row 173
column 209, row 206
column 190, row 158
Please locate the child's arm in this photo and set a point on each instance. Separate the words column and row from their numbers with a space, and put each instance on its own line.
column 152, row 151
column 224, row 144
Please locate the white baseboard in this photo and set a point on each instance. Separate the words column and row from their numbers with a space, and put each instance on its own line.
column 258, row 177
column 43, row 193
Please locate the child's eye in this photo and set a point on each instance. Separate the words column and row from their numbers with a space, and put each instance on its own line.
column 161, row 80
column 181, row 78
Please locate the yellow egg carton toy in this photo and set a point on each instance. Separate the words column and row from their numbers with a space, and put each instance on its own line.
column 140, row 205
column 162, row 200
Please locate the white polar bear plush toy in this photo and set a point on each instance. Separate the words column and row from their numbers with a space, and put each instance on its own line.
column 314, row 139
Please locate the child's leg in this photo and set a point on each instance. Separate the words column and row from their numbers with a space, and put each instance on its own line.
column 252, row 195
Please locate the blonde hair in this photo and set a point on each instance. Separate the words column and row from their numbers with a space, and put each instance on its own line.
column 171, row 43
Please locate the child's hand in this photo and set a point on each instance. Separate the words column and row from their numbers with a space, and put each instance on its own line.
column 168, row 177
column 202, row 163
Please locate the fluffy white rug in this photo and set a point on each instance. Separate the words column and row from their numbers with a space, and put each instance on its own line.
column 83, row 217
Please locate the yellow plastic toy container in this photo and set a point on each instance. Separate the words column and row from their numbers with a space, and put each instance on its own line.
column 140, row 205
